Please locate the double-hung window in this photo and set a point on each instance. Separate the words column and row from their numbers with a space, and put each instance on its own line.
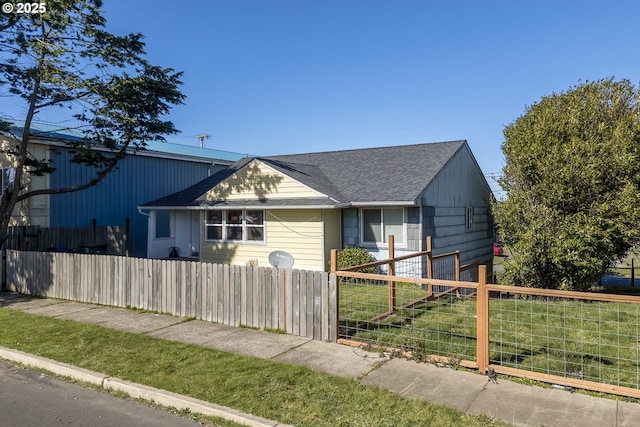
column 163, row 224
column 378, row 224
column 6, row 178
column 235, row 225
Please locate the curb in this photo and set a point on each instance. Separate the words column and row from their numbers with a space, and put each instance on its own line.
column 137, row 391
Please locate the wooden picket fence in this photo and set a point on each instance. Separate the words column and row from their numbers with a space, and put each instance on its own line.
column 294, row 301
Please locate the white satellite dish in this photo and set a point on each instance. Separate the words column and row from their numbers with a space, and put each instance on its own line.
column 280, row 259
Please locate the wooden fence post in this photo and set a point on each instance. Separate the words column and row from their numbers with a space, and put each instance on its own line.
column 391, row 271
column 334, row 298
column 334, row 308
column 334, row 260
column 482, row 326
column 429, row 266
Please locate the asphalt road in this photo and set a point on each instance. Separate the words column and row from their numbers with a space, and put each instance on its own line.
column 29, row 398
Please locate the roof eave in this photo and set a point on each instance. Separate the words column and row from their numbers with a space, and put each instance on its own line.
column 244, row 206
column 384, row 203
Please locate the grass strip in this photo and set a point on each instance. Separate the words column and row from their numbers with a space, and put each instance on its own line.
column 290, row 394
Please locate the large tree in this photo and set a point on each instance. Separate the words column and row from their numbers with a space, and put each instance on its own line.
column 60, row 55
column 572, row 179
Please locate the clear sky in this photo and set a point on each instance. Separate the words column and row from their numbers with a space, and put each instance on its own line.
column 270, row 77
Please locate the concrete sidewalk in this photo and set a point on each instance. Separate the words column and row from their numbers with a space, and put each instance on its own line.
column 470, row 392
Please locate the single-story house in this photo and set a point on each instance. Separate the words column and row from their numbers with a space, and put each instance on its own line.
column 161, row 168
column 308, row 204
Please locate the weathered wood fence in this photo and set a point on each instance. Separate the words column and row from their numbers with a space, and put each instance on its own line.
column 294, row 301
column 110, row 240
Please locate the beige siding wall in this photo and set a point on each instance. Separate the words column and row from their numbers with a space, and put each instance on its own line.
column 39, row 208
column 332, row 232
column 261, row 181
column 35, row 210
column 298, row 232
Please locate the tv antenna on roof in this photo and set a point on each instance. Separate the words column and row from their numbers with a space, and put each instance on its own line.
column 202, row 137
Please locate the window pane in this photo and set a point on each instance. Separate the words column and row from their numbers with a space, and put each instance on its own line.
column 372, row 225
column 255, row 234
column 163, row 224
column 254, row 217
column 214, row 232
column 214, row 217
column 393, row 224
column 234, row 233
column 234, row 217
column 7, row 178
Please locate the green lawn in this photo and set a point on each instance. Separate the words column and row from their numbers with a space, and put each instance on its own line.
column 278, row 391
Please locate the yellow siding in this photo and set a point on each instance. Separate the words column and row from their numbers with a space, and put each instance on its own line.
column 298, row 232
column 332, row 232
column 258, row 180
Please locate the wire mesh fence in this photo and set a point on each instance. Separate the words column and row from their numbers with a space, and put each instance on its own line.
column 585, row 340
column 596, row 341
column 418, row 321
column 414, row 317
column 411, row 267
column 591, row 341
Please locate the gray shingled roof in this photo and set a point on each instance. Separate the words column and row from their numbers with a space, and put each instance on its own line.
column 361, row 176
column 383, row 174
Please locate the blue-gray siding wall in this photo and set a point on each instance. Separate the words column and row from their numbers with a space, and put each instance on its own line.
column 447, row 228
column 459, row 185
column 138, row 179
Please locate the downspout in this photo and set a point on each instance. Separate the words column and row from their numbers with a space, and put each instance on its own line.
column 148, row 215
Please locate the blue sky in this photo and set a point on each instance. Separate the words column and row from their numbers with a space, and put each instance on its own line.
column 274, row 77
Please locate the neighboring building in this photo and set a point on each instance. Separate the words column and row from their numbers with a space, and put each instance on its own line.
column 308, row 204
column 143, row 175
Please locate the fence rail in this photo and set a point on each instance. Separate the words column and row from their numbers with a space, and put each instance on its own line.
column 294, row 301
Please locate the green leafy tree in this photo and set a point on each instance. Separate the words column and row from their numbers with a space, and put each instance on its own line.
column 64, row 57
column 572, row 178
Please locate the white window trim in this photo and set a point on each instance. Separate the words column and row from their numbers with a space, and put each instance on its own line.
column 245, row 226
column 404, row 243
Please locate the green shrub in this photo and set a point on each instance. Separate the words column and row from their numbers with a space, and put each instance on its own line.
column 355, row 256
